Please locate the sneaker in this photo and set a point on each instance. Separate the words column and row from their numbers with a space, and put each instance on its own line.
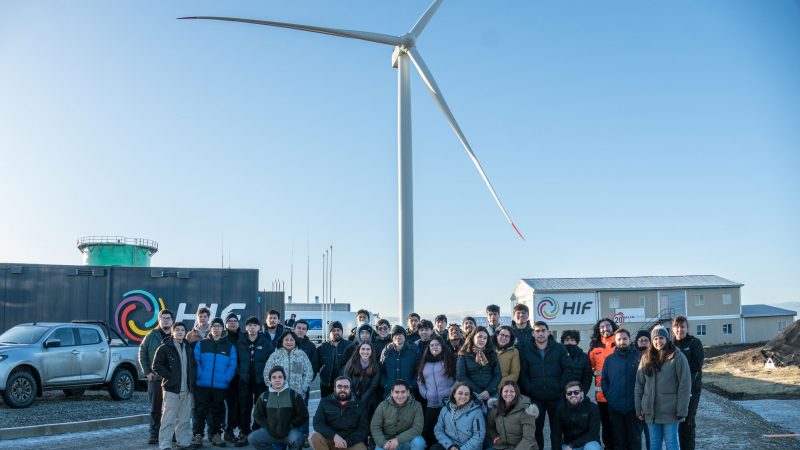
column 216, row 440
column 197, row 441
column 230, row 437
column 242, row 441
column 153, row 440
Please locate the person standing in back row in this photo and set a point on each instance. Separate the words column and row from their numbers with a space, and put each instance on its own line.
column 147, row 351
column 602, row 345
column 692, row 349
column 332, row 359
column 619, row 382
column 216, row 366
column 253, row 350
column 545, row 369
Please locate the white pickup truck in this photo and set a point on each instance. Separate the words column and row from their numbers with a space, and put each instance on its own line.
column 35, row 357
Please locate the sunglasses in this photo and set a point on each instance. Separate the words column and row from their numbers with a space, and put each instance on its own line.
column 573, row 393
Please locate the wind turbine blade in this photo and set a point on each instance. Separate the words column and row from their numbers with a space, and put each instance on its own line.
column 427, row 77
column 362, row 35
column 424, row 19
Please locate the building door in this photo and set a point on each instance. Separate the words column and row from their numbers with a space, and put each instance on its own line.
column 675, row 301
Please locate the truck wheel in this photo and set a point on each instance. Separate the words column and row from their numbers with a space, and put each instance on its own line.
column 122, row 384
column 74, row 392
column 20, row 389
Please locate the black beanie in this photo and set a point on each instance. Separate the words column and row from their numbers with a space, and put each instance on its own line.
column 397, row 329
column 231, row 315
column 335, row 324
column 217, row 320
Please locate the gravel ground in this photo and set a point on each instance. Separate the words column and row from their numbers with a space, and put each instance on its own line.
column 721, row 423
column 55, row 407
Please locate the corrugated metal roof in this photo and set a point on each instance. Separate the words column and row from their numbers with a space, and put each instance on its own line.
column 765, row 311
column 629, row 283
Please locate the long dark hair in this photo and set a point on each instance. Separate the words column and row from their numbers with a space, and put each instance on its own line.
column 503, row 408
column 469, row 345
column 653, row 359
column 353, row 367
column 447, row 358
column 595, row 341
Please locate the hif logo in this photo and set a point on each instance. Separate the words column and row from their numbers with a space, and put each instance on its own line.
column 131, row 301
column 548, row 308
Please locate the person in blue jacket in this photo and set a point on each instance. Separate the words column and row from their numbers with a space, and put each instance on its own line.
column 399, row 361
column 618, row 380
column 216, row 366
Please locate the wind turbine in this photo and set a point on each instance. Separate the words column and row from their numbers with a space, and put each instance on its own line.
column 404, row 50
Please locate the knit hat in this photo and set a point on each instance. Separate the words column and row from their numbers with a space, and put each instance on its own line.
column 659, row 331
column 252, row 320
column 335, row 324
column 397, row 329
column 641, row 333
column 231, row 316
column 217, row 320
column 365, row 327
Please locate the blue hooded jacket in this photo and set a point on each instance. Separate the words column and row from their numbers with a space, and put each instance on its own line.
column 216, row 362
column 618, row 379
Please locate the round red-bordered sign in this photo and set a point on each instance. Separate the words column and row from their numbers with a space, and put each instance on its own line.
column 619, row 318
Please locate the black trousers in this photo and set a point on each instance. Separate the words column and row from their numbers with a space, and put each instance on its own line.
column 550, row 407
column 429, row 423
column 208, row 402
column 607, row 427
column 248, row 394
column 686, row 429
column 232, row 405
column 627, row 430
column 155, row 396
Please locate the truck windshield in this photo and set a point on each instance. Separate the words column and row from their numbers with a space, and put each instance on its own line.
column 23, row 334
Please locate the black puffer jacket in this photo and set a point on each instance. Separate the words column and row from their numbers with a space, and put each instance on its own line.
column 332, row 360
column 261, row 348
column 350, row 421
column 167, row 365
column 524, row 335
column 399, row 364
column 692, row 349
column 479, row 378
column 577, row 425
column 544, row 378
column 581, row 367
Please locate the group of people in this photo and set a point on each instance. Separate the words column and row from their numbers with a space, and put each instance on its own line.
column 428, row 385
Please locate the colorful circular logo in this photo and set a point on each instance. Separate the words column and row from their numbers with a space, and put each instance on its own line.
column 144, row 302
column 548, row 308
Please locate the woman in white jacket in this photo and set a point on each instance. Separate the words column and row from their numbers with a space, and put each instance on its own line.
column 294, row 362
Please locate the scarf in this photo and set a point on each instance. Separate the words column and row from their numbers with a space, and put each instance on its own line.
column 480, row 357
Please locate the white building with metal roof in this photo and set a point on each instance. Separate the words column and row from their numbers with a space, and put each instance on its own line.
column 711, row 303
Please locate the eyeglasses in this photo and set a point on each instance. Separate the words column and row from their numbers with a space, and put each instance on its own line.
column 504, row 336
column 383, row 328
column 573, row 393
column 342, row 386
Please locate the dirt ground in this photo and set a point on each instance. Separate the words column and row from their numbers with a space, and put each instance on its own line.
column 740, row 375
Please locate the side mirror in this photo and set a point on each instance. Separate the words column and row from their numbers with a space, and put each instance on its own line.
column 51, row 343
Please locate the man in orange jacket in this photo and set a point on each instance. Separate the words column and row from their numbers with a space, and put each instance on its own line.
column 602, row 345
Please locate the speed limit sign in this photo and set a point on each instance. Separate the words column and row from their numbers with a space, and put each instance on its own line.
column 619, row 318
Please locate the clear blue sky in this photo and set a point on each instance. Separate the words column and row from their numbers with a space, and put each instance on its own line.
column 625, row 138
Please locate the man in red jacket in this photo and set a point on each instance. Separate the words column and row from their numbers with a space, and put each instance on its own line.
column 602, row 345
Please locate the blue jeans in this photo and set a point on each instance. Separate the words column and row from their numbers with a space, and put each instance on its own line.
column 668, row 433
column 418, row 443
column 261, row 439
column 594, row 445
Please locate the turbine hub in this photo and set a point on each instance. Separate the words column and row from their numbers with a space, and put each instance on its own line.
column 407, row 41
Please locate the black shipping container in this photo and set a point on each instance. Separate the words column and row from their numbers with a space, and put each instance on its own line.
column 128, row 298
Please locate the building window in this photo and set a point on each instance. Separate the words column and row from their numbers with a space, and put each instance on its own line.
column 699, row 300
column 782, row 324
column 613, row 302
column 727, row 328
column 644, row 301
column 727, row 299
column 701, row 330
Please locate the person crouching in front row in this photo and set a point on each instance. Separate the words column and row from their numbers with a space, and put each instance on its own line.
column 280, row 412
